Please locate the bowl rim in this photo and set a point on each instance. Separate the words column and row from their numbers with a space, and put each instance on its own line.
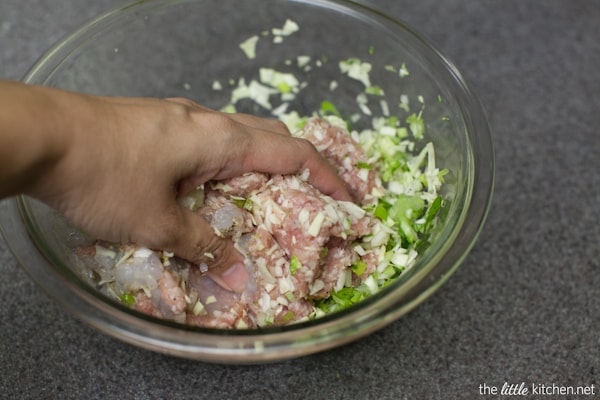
column 270, row 344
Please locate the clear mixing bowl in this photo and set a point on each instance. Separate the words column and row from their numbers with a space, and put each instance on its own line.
column 181, row 48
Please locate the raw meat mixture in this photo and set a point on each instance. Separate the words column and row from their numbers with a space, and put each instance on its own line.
column 299, row 246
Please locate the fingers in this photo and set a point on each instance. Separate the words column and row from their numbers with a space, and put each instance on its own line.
column 323, row 175
column 233, row 278
column 190, row 237
column 265, row 145
column 269, row 124
column 286, row 155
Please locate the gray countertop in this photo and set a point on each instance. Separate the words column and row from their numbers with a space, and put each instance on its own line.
column 523, row 307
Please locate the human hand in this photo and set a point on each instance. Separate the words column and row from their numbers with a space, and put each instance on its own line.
column 130, row 158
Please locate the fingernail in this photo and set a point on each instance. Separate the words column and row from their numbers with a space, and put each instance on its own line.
column 236, row 277
column 233, row 278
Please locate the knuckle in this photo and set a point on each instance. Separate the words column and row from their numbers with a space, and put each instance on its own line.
column 211, row 250
column 177, row 110
column 220, row 123
column 306, row 146
column 181, row 100
column 277, row 126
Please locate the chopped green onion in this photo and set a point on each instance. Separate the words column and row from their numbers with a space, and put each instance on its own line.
column 356, row 69
column 328, row 108
column 403, row 71
column 416, row 125
column 295, row 264
column 359, row 267
column 374, row 90
column 128, row 299
column 241, row 202
column 435, row 206
column 381, row 212
column 288, row 316
column 347, row 297
column 283, row 87
column 323, row 253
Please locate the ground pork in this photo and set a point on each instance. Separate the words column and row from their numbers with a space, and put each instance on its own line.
column 298, row 244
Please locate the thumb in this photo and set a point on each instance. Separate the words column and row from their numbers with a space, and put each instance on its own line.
column 193, row 239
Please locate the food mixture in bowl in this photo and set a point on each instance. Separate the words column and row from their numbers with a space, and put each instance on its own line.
column 306, row 254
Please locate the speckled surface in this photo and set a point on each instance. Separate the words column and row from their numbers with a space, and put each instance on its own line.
column 522, row 308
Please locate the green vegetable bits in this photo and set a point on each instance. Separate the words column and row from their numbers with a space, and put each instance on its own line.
column 410, row 205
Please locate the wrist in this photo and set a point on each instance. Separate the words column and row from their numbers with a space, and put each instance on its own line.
column 36, row 127
column 71, row 120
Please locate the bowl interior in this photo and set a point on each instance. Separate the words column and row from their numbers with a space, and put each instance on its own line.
column 182, row 48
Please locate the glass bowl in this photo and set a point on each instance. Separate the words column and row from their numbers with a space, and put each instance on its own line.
column 182, row 48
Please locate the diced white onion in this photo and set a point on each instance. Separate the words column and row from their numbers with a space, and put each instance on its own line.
column 261, row 264
column 317, row 285
column 316, row 224
column 286, row 285
column 359, row 250
column 198, row 308
column 248, row 46
column 303, row 216
column 379, row 238
column 353, row 209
